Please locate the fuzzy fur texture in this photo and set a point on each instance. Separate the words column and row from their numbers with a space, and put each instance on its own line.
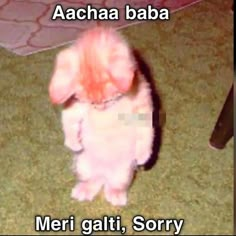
column 109, row 125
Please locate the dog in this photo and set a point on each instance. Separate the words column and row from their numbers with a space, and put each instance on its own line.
column 106, row 115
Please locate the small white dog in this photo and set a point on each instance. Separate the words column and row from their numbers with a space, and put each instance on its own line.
column 109, row 123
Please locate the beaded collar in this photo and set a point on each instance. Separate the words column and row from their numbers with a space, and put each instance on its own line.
column 101, row 105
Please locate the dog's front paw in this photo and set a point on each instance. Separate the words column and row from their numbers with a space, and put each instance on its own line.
column 143, row 157
column 116, row 197
column 85, row 191
column 74, row 146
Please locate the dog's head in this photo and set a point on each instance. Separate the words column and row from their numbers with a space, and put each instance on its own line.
column 97, row 66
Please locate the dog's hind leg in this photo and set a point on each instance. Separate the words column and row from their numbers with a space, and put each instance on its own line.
column 89, row 182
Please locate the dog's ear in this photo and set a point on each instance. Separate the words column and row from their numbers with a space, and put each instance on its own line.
column 122, row 68
column 62, row 84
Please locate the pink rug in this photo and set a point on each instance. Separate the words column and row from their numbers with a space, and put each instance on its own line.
column 26, row 26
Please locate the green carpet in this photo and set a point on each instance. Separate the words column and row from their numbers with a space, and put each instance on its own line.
column 191, row 57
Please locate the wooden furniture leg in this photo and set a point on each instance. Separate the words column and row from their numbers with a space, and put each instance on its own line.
column 223, row 130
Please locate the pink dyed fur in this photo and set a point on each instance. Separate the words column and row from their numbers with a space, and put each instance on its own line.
column 109, row 141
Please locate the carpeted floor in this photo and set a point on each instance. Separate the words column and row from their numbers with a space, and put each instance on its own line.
column 191, row 57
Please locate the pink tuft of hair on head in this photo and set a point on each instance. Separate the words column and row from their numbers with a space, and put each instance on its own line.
column 96, row 67
column 105, row 62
